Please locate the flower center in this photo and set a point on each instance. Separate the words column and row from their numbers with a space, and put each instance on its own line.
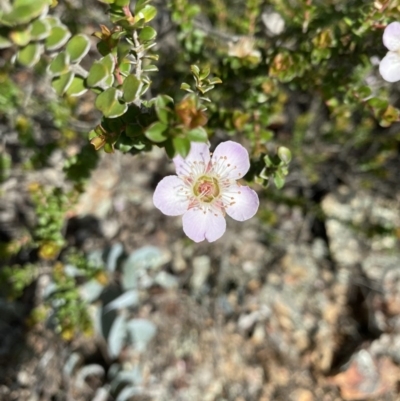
column 206, row 189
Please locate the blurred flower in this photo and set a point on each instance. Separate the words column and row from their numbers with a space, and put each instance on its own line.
column 190, row 112
column 244, row 48
column 206, row 188
column 273, row 22
column 390, row 64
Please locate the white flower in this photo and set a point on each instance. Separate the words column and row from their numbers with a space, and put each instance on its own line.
column 390, row 64
column 205, row 188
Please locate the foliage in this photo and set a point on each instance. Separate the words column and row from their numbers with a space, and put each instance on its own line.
column 286, row 77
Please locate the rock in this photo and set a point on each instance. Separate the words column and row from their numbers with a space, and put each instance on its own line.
column 301, row 394
column 366, row 377
column 201, row 270
column 358, row 222
column 387, row 345
column 376, row 264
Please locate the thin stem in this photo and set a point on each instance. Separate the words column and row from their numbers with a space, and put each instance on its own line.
column 138, row 72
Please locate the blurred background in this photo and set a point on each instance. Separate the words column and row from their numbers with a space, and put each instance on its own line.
column 103, row 298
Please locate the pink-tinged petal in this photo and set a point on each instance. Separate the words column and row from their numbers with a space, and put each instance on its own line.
column 195, row 163
column 391, row 36
column 171, row 196
column 199, row 225
column 389, row 67
column 230, row 160
column 241, row 203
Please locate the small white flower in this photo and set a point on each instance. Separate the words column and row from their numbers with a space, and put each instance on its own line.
column 205, row 188
column 390, row 64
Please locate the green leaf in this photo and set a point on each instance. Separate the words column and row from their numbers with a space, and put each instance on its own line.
column 123, row 50
column 40, row 29
column 77, row 87
column 364, row 92
column 109, row 81
column 109, row 62
column 284, row 154
column 140, row 5
column 214, row 81
column 109, row 147
column 186, row 87
column 205, row 72
column 181, row 145
column 147, row 33
column 20, row 37
column 61, row 84
column 58, row 37
column 20, row 3
column 125, row 67
column 103, row 48
column 134, row 130
column 150, row 68
column 5, row 166
column 147, row 46
column 78, row 47
column 390, row 116
column 266, row 135
column 198, row 134
column 161, row 105
column 144, row 89
column 121, row 3
column 97, row 75
column 163, row 101
column 156, row 132
column 107, row 102
column 130, row 88
column 22, row 13
column 205, row 89
column 29, row 55
column 279, row 180
column 164, row 114
column 4, row 43
column 195, row 70
column 52, row 21
column 268, row 161
column 147, row 13
column 139, row 24
column 59, row 64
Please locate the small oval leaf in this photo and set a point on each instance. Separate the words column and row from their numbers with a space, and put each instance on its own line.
column 40, row 29
column 147, row 13
column 78, row 47
column 59, row 65
column 29, row 55
column 23, row 13
column 4, row 42
column 61, row 84
column 20, row 37
column 156, row 132
column 182, row 146
column 108, row 62
column 147, row 33
column 97, row 75
column 58, row 37
column 198, row 134
column 130, row 88
column 107, row 102
column 77, row 87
